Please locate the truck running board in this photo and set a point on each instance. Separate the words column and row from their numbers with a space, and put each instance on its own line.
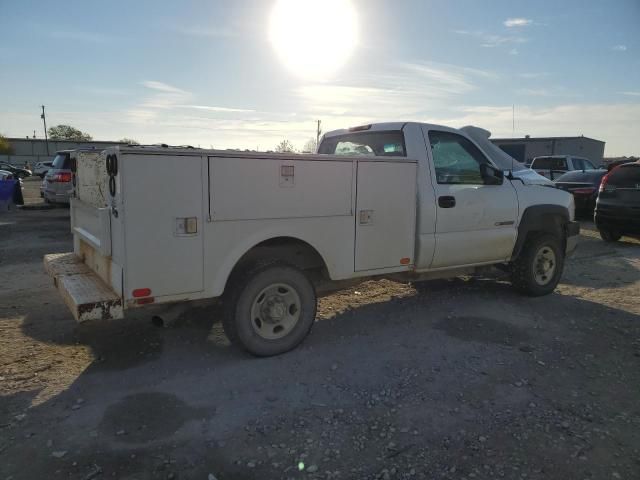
column 86, row 295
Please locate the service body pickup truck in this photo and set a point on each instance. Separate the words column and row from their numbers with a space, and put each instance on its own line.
column 267, row 232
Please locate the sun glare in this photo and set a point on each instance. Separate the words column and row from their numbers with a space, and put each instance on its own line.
column 313, row 38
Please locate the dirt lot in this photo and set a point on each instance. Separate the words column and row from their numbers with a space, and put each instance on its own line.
column 462, row 379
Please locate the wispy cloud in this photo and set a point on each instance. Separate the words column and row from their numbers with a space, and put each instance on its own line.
column 619, row 48
column 411, row 89
column 517, row 22
column 490, row 40
column 210, row 108
column 79, row 36
column 162, row 87
column 209, row 31
column 630, row 94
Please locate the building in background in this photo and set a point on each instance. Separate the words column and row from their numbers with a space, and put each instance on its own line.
column 34, row 150
column 526, row 149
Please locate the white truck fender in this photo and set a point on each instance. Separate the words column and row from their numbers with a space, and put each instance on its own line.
column 223, row 272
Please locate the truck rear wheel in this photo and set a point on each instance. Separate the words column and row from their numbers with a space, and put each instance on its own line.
column 538, row 268
column 269, row 308
column 610, row 235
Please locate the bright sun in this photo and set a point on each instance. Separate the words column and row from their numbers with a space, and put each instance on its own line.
column 313, row 38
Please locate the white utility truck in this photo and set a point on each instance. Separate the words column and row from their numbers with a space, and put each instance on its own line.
column 267, row 231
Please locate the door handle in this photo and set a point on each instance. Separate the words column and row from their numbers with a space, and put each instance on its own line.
column 447, row 201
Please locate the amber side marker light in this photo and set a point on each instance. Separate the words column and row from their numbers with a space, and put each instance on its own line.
column 405, row 261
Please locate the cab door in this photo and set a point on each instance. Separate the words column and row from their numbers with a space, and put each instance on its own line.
column 476, row 220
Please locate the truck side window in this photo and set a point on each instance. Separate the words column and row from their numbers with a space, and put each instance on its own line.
column 456, row 159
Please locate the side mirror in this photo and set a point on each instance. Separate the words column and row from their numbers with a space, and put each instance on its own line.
column 491, row 175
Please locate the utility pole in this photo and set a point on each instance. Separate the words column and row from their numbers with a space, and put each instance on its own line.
column 44, row 121
column 318, row 132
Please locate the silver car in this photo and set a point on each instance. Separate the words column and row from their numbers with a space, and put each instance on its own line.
column 42, row 168
column 57, row 186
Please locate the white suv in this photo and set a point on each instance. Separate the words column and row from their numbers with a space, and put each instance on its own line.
column 552, row 166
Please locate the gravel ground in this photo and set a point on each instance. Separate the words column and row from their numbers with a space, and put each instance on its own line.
column 459, row 379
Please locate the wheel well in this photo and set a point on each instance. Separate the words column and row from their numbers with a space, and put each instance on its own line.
column 288, row 249
column 541, row 219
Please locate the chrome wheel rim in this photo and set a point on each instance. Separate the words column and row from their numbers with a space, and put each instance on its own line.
column 544, row 265
column 275, row 311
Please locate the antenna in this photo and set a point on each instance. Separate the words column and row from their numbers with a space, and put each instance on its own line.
column 513, row 129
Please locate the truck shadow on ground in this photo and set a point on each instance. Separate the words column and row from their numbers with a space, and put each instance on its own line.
column 438, row 304
column 460, row 337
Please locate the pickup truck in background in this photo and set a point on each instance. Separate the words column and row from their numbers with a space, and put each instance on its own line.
column 553, row 166
column 268, row 232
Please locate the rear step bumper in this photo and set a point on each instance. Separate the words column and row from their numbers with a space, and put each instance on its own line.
column 86, row 295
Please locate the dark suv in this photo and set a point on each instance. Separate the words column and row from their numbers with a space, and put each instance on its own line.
column 618, row 205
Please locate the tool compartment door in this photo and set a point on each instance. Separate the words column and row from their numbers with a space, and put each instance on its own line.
column 385, row 215
column 161, row 199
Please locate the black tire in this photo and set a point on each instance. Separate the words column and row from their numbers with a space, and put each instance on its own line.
column 610, row 235
column 241, row 296
column 525, row 276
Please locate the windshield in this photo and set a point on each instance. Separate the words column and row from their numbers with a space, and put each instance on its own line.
column 62, row 161
column 580, row 176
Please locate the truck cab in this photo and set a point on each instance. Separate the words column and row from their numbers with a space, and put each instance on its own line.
column 268, row 232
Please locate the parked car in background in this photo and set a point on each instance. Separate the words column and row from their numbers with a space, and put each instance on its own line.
column 6, row 175
column 57, row 186
column 16, row 196
column 618, row 205
column 553, row 166
column 18, row 172
column 617, row 163
column 583, row 185
column 42, row 168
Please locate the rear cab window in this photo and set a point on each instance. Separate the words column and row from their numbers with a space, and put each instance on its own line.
column 549, row 163
column 368, row 144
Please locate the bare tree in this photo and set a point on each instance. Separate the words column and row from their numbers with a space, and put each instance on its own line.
column 310, row 146
column 285, row 146
column 129, row 141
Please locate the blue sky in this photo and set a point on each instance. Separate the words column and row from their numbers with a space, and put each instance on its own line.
column 204, row 72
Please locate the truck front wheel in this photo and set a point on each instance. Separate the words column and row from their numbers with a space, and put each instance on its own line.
column 538, row 268
column 269, row 308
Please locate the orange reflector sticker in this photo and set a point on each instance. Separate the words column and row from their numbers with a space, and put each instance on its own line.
column 405, row 261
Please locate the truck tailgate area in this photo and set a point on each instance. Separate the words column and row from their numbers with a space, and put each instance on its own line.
column 85, row 293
